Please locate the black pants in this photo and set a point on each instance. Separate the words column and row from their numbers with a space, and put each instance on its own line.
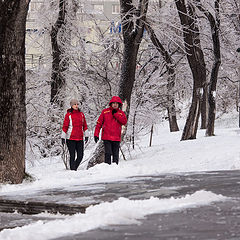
column 73, row 147
column 111, row 149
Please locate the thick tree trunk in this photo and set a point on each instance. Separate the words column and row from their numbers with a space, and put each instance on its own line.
column 13, row 16
column 132, row 37
column 196, row 62
column 190, row 128
column 171, row 109
column 215, row 25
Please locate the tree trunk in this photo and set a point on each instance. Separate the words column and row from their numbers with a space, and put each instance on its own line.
column 132, row 37
column 13, row 16
column 190, row 128
column 215, row 25
column 204, row 107
column 171, row 109
column 128, row 72
column 133, row 22
column 196, row 62
column 151, row 135
column 59, row 62
column 133, row 129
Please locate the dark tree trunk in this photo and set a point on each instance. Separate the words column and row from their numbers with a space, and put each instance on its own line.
column 13, row 16
column 128, row 73
column 215, row 25
column 132, row 37
column 190, row 129
column 204, row 107
column 133, row 130
column 59, row 62
column 171, row 109
column 151, row 135
column 197, row 65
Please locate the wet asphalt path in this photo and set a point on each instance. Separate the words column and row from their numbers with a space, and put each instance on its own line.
column 216, row 221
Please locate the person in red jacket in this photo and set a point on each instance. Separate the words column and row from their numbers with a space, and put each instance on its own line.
column 111, row 121
column 73, row 130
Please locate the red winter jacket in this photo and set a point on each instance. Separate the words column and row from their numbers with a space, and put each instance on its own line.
column 111, row 124
column 74, row 124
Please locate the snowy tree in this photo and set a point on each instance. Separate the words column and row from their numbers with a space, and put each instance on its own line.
column 196, row 62
column 53, row 20
column 59, row 62
column 171, row 79
column 13, row 16
column 61, row 37
column 215, row 29
column 228, row 91
column 133, row 23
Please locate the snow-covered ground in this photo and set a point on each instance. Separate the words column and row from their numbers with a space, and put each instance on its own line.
column 167, row 155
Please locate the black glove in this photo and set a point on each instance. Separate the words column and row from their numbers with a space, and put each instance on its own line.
column 86, row 139
column 63, row 141
column 114, row 111
column 96, row 139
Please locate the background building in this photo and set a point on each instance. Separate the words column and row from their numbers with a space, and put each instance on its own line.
column 105, row 12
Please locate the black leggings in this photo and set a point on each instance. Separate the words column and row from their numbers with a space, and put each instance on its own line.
column 73, row 147
column 111, row 149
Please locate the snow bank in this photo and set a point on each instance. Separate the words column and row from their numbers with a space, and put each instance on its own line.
column 121, row 211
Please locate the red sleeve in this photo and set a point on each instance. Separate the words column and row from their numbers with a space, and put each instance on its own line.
column 66, row 123
column 84, row 123
column 99, row 125
column 121, row 117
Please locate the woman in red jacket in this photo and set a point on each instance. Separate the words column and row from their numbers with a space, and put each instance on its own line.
column 111, row 121
column 73, row 130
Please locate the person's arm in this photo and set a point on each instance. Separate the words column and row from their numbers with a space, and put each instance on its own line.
column 85, row 128
column 65, row 126
column 98, row 125
column 121, row 117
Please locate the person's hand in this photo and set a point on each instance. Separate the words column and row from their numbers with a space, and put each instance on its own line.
column 86, row 140
column 96, row 139
column 63, row 141
column 114, row 111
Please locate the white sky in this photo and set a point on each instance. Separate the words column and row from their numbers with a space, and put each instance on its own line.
column 167, row 155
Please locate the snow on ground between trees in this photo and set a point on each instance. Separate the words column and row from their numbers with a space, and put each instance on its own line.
column 167, row 155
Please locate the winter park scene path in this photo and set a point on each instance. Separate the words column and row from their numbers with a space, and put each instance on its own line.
column 172, row 190
column 203, row 206
column 154, row 82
